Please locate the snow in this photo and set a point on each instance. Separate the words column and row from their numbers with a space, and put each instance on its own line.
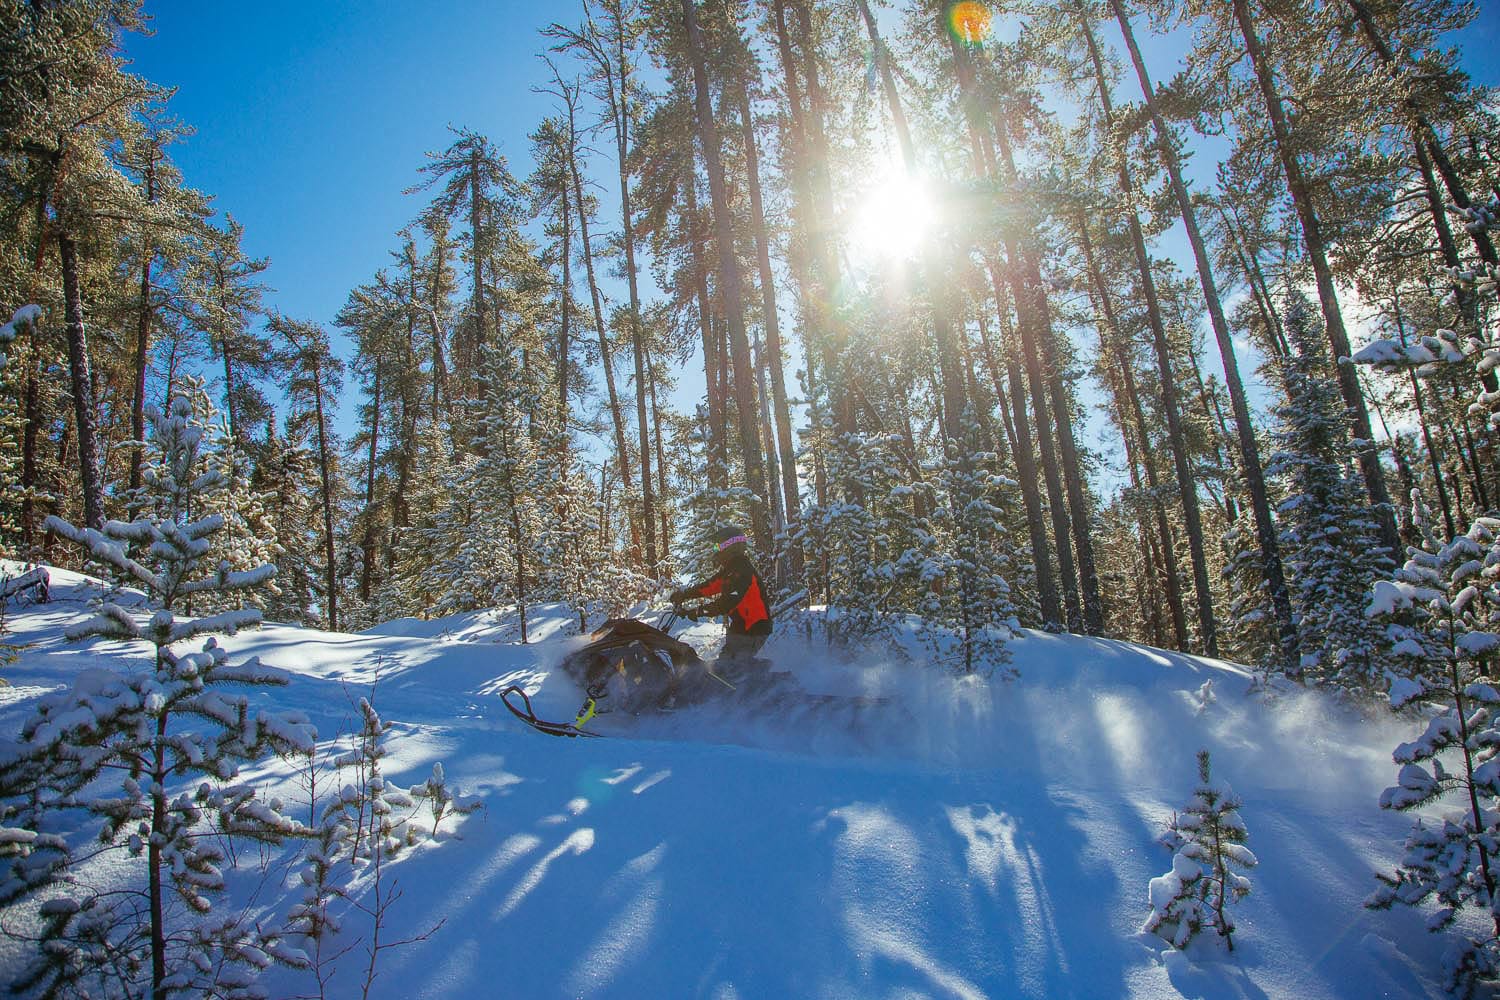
column 977, row 838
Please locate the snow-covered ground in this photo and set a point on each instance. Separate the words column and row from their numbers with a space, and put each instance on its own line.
column 972, row 838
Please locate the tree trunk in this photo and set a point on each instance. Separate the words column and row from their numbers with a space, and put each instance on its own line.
column 325, row 473
column 661, row 467
column 620, row 119
column 1333, row 318
column 441, row 397
column 1250, row 464
column 82, row 383
column 1132, row 401
column 606, row 357
column 155, row 890
column 30, row 435
column 520, row 551
column 142, row 337
column 564, row 345
column 768, row 435
column 367, row 570
column 1260, row 289
column 783, row 440
column 476, row 359
column 731, row 293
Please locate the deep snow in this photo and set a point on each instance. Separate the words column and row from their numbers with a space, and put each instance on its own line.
column 974, row 838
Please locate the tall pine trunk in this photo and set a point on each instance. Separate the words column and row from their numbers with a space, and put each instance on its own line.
column 1131, row 403
column 731, row 287
column 620, row 120
column 325, row 473
column 142, row 335
column 1250, row 464
column 606, row 355
column 81, row 378
column 476, row 356
column 1317, row 252
column 787, row 459
column 565, row 322
column 367, row 544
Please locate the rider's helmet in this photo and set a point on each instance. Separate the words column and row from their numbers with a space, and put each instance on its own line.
column 727, row 541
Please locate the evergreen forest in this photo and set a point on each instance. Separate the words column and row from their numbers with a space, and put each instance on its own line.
column 981, row 315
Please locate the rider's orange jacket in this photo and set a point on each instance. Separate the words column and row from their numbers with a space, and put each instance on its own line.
column 739, row 594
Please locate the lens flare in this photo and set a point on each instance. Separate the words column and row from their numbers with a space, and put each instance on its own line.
column 969, row 22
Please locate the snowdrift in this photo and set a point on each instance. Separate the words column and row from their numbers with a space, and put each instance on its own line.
column 972, row 837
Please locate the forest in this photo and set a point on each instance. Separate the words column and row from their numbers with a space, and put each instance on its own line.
column 899, row 260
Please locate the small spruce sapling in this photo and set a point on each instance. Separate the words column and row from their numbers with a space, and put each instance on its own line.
column 365, row 823
column 440, row 800
column 124, row 750
column 1208, row 839
column 1445, row 602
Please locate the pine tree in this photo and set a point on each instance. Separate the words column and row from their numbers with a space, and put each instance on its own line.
column 870, row 540
column 1332, row 543
column 113, row 748
column 1444, row 603
column 967, row 579
column 314, row 378
column 364, row 825
column 1250, row 636
column 509, row 482
column 228, row 296
column 285, row 473
column 1208, row 841
column 12, row 424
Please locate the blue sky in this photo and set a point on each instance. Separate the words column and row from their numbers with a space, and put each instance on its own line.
column 312, row 117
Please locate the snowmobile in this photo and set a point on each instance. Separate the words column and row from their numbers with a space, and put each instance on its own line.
column 632, row 667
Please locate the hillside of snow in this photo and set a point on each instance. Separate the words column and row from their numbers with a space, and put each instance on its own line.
column 968, row 838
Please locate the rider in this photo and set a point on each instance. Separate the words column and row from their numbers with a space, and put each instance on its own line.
column 736, row 592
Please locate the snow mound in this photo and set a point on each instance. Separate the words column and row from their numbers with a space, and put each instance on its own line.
column 968, row 836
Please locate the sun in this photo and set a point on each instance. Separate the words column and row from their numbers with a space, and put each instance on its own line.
column 892, row 218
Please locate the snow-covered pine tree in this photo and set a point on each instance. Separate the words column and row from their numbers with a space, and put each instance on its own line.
column 1329, row 538
column 1249, row 635
column 574, row 559
column 286, row 475
column 1208, row 843
column 505, row 486
column 966, row 579
column 870, row 540
column 247, row 538
column 125, row 750
column 12, row 423
column 1445, row 602
column 414, row 585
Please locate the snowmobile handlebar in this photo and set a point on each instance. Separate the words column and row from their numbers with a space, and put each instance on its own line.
column 679, row 610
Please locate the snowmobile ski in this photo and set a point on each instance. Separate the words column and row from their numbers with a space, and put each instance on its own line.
column 528, row 716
